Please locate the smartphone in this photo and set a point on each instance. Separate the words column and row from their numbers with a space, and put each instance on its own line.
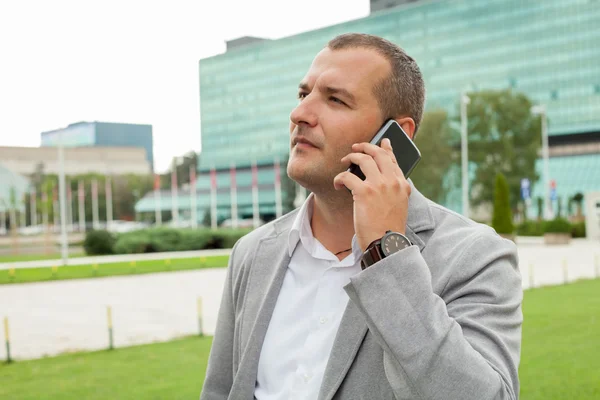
column 406, row 152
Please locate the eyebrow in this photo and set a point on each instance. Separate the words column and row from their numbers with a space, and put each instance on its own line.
column 329, row 90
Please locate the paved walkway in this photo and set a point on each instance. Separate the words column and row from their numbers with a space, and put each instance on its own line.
column 54, row 317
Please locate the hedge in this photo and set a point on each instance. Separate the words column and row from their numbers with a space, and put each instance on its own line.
column 161, row 239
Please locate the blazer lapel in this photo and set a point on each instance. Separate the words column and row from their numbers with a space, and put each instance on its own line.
column 353, row 327
column 349, row 337
column 266, row 277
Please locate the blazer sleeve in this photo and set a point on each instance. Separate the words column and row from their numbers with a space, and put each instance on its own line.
column 464, row 346
column 219, row 372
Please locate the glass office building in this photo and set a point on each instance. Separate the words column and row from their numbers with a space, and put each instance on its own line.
column 103, row 134
column 547, row 49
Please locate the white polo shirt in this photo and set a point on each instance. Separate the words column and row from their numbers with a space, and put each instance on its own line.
column 307, row 315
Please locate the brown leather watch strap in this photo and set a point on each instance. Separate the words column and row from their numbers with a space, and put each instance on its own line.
column 371, row 255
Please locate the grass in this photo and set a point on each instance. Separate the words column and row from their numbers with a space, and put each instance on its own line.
column 561, row 342
column 26, row 275
column 36, row 257
column 560, row 359
column 173, row 370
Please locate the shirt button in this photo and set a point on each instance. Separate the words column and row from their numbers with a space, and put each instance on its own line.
column 323, row 320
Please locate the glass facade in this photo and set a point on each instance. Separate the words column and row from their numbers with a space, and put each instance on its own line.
column 103, row 134
column 547, row 49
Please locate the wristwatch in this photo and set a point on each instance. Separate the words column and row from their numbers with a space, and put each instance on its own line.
column 390, row 243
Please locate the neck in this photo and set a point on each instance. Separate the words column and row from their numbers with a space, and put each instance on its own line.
column 332, row 221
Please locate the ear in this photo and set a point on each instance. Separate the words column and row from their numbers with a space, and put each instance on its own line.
column 408, row 124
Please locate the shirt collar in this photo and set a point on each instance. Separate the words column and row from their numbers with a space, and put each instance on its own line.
column 301, row 232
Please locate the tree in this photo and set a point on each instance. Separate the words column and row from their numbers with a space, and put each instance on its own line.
column 434, row 140
column 578, row 199
column 502, row 217
column 504, row 137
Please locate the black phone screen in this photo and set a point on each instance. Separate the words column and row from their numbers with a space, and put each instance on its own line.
column 406, row 152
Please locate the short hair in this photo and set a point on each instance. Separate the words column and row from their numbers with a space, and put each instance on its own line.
column 403, row 91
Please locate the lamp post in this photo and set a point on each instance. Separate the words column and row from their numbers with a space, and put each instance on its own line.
column 541, row 111
column 464, row 152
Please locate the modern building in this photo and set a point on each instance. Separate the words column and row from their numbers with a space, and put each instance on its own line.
column 13, row 187
column 103, row 134
column 78, row 160
column 547, row 49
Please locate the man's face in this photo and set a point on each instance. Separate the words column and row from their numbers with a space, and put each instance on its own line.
column 336, row 109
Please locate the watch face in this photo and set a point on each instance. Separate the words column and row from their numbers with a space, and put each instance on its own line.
column 392, row 243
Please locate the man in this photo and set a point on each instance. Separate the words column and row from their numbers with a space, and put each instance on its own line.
column 436, row 315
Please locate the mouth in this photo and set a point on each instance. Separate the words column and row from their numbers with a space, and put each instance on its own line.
column 303, row 143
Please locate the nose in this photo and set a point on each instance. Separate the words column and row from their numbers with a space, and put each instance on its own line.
column 304, row 113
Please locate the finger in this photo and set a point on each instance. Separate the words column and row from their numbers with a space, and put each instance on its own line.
column 366, row 163
column 385, row 162
column 348, row 180
column 386, row 144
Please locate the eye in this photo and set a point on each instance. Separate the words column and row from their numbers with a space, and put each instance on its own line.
column 302, row 95
column 336, row 100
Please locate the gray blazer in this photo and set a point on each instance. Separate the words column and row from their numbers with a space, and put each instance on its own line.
column 439, row 320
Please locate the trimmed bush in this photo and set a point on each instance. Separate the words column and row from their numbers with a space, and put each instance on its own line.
column 171, row 239
column 557, row 225
column 98, row 243
column 502, row 217
column 530, row 228
column 578, row 230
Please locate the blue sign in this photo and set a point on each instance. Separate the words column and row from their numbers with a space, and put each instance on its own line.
column 525, row 189
column 553, row 193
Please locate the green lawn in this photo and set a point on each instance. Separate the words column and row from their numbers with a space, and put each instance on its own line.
column 36, row 257
column 560, row 359
column 24, row 275
column 173, row 370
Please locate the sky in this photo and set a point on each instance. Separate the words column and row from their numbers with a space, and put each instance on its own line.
column 130, row 61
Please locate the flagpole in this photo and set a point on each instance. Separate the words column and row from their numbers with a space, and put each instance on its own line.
column 81, row 196
column 33, row 204
column 213, row 198
column 95, row 211
column 174, row 200
column 109, row 205
column 194, row 211
column 234, row 205
column 157, row 207
column 278, row 205
column 255, row 210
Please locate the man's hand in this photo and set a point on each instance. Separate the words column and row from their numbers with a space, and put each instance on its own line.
column 381, row 200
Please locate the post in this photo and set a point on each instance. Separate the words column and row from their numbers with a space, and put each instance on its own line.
column 7, row 338
column 464, row 101
column 174, row 197
column 62, row 201
column 200, row 328
column 110, row 327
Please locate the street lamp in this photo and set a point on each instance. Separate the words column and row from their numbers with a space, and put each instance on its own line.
column 541, row 111
column 464, row 101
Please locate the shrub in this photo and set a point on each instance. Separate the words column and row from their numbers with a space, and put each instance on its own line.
column 557, row 225
column 98, row 243
column 578, row 229
column 502, row 216
column 530, row 228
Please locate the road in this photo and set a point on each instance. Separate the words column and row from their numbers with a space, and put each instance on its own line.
column 49, row 318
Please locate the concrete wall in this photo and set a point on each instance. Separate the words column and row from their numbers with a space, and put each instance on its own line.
column 78, row 160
